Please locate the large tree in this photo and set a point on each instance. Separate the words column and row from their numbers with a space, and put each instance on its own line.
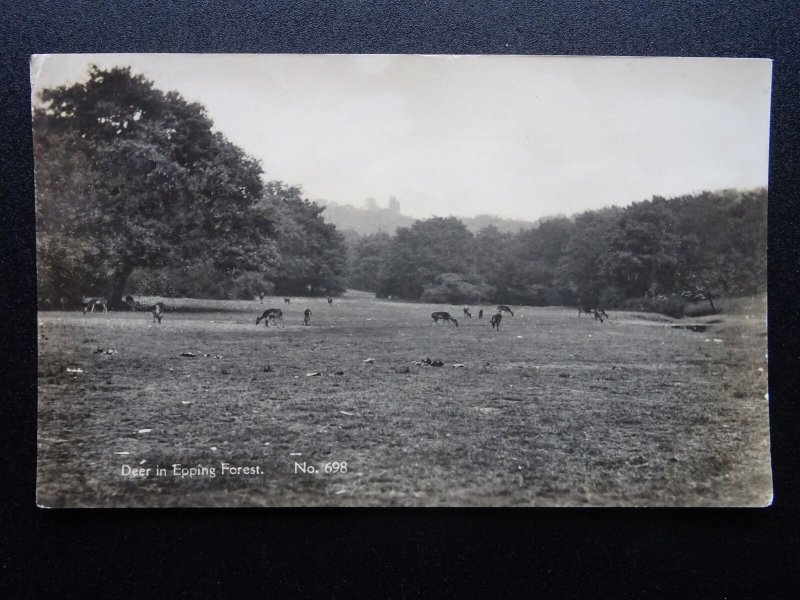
column 367, row 257
column 421, row 253
column 129, row 176
column 537, row 254
column 724, row 241
column 312, row 254
column 582, row 276
column 494, row 260
column 645, row 248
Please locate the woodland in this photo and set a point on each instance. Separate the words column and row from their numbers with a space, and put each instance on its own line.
column 137, row 192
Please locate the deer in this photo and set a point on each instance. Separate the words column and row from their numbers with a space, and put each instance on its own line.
column 306, row 316
column 598, row 313
column 443, row 316
column 261, row 296
column 495, row 320
column 480, row 314
column 330, row 300
column 287, row 300
column 94, row 301
column 467, row 313
column 271, row 314
column 157, row 309
column 503, row 308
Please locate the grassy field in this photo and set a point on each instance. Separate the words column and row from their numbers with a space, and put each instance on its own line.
column 552, row 410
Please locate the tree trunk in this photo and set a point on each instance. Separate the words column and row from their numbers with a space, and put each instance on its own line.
column 118, row 284
column 711, row 302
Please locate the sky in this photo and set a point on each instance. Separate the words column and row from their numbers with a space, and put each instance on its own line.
column 516, row 136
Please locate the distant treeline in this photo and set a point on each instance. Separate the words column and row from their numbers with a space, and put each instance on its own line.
column 356, row 221
column 652, row 255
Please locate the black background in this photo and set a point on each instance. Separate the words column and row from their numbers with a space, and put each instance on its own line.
column 702, row 553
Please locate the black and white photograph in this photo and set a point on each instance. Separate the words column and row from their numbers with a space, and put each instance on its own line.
column 334, row 280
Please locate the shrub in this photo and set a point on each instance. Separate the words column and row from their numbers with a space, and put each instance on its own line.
column 455, row 288
column 611, row 296
column 151, row 283
column 537, row 295
column 701, row 309
column 249, row 284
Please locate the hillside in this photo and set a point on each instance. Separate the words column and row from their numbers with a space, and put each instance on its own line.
column 372, row 219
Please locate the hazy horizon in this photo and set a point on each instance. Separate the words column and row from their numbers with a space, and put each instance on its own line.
column 384, row 206
column 519, row 137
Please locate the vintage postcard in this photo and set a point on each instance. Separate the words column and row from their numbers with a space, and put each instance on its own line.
column 379, row 280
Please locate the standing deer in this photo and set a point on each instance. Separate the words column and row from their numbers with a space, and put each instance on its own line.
column 287, row 300
column 261, row 296
column 466, row 312
column 271, row 314
column 157, row 309
column 480, row 314
column 94, row 301
column 443, row 316
column 330, row 300
column 503, row 308
column 495, row 320
column 306, row 316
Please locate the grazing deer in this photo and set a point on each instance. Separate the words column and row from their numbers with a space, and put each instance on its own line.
column 94, row 301
column 495, row 320
column 598, row 313
column 330, row 300
column 306, row 316
column 466, row 312
column 443, row 316
column 157, row 309
column 503, row 308
column 271, row 314
column 287, row 300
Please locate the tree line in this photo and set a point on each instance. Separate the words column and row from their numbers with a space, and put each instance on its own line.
column 655, row 255
column 136, row 191
column 372, row 218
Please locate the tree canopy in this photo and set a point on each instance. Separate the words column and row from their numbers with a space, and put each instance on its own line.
column 311, row 253
column 651, row 255
column 131, row 178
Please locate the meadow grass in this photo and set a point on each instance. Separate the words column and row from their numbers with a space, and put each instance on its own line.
column 552, row 410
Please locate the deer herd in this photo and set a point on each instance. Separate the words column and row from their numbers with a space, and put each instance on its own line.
column 274, row 316
column 598, row 313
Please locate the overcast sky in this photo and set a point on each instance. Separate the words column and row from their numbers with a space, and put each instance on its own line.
column 520, row 137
